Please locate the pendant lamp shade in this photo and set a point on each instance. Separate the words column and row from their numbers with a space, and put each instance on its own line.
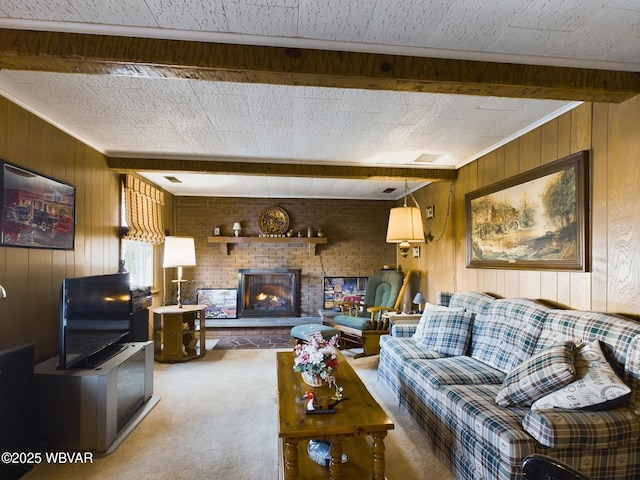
column 405, row 225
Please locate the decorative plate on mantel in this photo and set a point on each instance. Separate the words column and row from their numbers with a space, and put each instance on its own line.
column 273, row 221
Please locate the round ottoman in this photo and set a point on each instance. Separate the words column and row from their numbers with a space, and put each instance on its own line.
column 300, row 333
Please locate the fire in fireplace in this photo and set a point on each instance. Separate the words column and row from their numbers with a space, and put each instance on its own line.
column 269, row 293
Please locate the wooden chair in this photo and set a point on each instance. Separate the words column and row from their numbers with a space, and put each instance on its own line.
column 364, row 323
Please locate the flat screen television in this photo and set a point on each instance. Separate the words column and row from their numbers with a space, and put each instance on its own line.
column 94, row 319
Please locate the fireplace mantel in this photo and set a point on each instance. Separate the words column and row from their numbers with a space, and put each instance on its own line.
column 310, row 241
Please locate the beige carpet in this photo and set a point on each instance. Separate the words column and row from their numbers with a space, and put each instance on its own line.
column 217, row 420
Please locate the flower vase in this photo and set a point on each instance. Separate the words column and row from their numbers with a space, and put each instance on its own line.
column 313, row 380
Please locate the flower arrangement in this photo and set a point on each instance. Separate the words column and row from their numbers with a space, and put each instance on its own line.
column 317, row 357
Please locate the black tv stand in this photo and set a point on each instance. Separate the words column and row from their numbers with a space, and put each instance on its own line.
column 94, row 361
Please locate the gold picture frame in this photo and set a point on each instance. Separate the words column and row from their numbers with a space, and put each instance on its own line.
column 537, row 220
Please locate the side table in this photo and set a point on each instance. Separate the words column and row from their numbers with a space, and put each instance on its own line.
column 178, row 333
column 398, row 318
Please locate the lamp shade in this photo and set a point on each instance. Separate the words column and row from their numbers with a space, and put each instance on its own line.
column 179, row 252
column 419, row 299
column 236, row 226
column 3, row 292
column 405, row 225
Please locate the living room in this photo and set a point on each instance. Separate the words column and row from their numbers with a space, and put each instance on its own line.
column 355, row 229
column 609, row 132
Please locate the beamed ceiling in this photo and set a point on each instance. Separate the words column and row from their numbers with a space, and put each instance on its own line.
column 321, row 99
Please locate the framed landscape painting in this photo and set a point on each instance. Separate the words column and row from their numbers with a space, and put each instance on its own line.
column 37, row 211
column 220, row 302
column 536, row 221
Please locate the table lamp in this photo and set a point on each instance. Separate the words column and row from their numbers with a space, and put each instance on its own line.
column 179, row 252
column 419, row 300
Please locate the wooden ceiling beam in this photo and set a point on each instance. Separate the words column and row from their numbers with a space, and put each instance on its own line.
column 278, row 169
column 149, row 57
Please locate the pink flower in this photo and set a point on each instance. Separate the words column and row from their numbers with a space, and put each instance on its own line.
column 318, row 356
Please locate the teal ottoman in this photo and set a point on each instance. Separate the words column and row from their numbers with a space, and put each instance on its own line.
column 300, row 333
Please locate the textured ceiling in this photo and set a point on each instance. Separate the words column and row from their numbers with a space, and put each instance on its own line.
column 242, row 122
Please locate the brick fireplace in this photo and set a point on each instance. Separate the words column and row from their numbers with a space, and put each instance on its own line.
column 355, row 232
column 269, row 292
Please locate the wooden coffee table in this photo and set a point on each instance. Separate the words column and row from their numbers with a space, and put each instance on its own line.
column 355, row 419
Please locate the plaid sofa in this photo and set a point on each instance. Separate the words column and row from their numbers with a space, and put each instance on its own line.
column 453, row 398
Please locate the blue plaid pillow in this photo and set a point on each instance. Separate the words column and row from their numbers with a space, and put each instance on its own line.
column 543, row 373
column 419, row 332
column 446, row 331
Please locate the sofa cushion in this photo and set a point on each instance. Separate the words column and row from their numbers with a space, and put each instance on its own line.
column 394, row 351
column 474, row 302
column 474, row 410
column 403, row 330
column 577, row 428
column 505, row 335
column 545, row 372
column 443, row 298
column 446, row 331
column 358, row 323
column 426, row 377
column 596, row 387
column 401, row 349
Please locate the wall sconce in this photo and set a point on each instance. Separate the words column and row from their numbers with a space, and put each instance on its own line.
column 420, row 301
column 405, row 224
column 429, row 211
column 179, row 252
column 3, row 292
column 236, row 229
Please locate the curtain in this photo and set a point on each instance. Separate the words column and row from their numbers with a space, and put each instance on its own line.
column 143, row 206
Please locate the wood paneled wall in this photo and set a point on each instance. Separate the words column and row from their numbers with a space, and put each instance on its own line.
column 32, row 277
column 611, row 132
column 612, row 135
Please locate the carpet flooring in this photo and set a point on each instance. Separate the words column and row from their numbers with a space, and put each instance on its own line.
column 236, row 342
column 217, row 419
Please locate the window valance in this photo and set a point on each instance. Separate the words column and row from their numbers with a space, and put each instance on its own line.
column 143, row 207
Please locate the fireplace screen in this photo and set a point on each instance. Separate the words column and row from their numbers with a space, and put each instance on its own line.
column 269, row 293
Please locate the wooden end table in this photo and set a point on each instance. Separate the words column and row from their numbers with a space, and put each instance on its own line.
column 402, row 318
column 178, row 332
column 356, row 418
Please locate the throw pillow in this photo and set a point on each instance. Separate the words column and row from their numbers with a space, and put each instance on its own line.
column 446, row 331
column 419, row 333
column 597, row 387
column 543, row 373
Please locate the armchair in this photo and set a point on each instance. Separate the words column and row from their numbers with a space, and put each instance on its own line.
column 364, row 323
